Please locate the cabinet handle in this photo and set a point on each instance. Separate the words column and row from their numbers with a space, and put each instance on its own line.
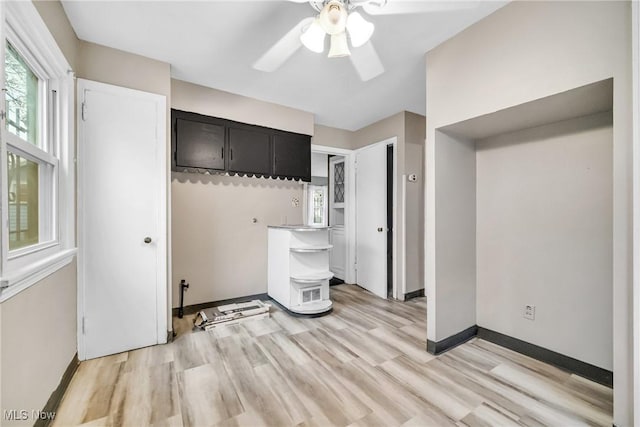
column 231, row 154
column 222, row 150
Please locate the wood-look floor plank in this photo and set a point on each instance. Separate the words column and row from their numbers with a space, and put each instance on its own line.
column 207, row 396
column 552, row 394
column 365, row 364
column 445, row 400
column 405, row 343
column 487, row 416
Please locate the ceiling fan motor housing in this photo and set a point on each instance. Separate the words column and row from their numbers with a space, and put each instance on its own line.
column 333, row 17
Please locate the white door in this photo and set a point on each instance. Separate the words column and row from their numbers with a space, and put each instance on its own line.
column 371, row 219
column 122, row 219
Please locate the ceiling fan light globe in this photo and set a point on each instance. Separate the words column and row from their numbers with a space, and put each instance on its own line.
column 339, row 46
column 360, row 30
column 313, row 37
column 333, row 17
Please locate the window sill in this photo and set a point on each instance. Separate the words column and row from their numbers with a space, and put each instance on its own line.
column 28, row 276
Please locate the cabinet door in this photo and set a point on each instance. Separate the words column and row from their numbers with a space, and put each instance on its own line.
column 338, row 257
column 249, row 151
column 292, row 156
column 199, row 145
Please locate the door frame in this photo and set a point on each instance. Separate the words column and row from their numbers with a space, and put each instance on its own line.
column 635, row 61
column 349, row 208
column 398, row 265
column 162, row 176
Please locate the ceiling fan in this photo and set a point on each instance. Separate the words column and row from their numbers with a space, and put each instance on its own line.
column 342, row 21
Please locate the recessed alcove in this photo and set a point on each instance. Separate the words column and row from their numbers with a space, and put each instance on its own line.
column 524, row 216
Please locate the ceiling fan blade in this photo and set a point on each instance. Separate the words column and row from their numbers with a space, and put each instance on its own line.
column 398, row 7
column 282, row 50
column 366, row 61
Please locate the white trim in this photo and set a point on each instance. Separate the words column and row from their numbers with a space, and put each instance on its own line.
column 162, row 288
column 33, row 273
column 32, row 249
column 635, row 59
column 349, row 210
column 27, row 24
column 403, row 261
column 29, row 151
column 325, row 149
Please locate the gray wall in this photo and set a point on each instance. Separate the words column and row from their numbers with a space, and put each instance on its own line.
column 38, row 328
column 526, row 51
column 332, row 137
column 455, row 240
column 414, row 134
column 212, row 102
column 414, row 221
column 215, row 245
column 545, row 223
column 320, row 165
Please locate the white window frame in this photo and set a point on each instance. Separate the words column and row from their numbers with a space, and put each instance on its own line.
column 21, row 268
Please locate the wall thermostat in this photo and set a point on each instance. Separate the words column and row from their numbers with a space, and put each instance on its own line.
column 412, row 178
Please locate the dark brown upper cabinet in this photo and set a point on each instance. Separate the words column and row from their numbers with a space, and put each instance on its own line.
column 292, row 156
column 249, row 151
column 201, row 142
column 205, row 148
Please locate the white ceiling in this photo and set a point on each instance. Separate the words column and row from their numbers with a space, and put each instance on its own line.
column 215, row 43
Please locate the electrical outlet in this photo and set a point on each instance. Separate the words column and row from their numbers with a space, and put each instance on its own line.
column 530, row 312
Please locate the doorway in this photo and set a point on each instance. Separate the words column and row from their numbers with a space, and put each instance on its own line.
column 390, row 183
column 333, row 182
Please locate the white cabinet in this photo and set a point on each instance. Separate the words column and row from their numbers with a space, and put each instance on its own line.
column 338, row 255
column 298, row 264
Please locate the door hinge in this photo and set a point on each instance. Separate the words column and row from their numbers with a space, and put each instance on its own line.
column 84, row 325
column 3, row 115
column 84, row 111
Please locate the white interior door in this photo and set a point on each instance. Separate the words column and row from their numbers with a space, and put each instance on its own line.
column 122, row 219
column 371, row 219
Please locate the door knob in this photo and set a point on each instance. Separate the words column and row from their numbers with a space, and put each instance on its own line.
column 380, row 229
column 147, row 239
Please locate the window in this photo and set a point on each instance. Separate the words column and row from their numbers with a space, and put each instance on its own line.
column 338, row 186
column 21, row 96
column 317, row 205
column 36, row 148
column 31, row 168
column 23, row 201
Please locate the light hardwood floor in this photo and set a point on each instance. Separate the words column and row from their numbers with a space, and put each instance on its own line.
column 363, row 365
